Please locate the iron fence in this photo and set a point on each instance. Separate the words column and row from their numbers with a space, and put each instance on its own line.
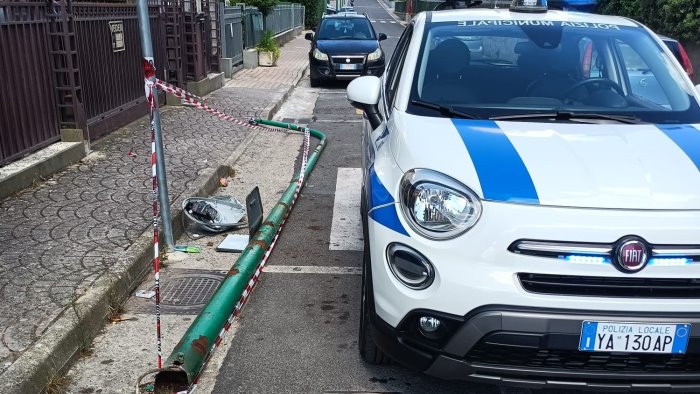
column 28, row 115
column 77, row 63
column 112, row 72
column 283, row 17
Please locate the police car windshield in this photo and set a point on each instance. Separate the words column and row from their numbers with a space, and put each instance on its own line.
column 345, row 29
column 509, row 67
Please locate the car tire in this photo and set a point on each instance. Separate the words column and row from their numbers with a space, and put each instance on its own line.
column 315, row 82
column 369, row 351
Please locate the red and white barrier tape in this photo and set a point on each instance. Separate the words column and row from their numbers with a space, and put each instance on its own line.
column 197, row 103
column 179, row 90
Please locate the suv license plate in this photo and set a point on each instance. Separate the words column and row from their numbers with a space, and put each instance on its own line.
column 634, row 337
column 347, row 66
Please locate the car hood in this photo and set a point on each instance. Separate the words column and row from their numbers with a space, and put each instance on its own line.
column 558, row 164
column 347, row 47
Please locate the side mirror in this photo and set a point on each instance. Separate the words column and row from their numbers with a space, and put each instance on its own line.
column 309, row 36
column 363, row 93
column 382, row 36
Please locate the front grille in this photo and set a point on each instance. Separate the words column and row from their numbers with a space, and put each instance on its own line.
column 344, row 59
column 485, row 353
column 610, row 286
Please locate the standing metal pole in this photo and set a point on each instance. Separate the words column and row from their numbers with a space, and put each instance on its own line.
column 147, row 48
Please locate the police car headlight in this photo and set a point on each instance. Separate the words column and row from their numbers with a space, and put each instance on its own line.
column 318, row 55
column 374, row 55
column 437, row 206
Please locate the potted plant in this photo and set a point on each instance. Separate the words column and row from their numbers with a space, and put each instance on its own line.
column 268, row 50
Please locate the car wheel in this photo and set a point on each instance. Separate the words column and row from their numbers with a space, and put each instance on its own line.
column 369, row 351
column 315, row 82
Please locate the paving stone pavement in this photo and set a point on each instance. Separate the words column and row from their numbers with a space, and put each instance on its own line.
column 58, row 237
column 295, row 54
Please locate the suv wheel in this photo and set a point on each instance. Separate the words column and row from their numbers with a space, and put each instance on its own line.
column 369, row 351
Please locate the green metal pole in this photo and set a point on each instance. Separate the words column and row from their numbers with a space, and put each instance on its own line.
column 185, row 362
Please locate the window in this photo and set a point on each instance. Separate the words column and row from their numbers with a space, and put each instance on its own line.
column 490, row 69
column 393, row 72
column 346, row 29
column 640, row 78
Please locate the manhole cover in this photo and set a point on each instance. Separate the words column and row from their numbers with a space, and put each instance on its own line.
column 189, row 290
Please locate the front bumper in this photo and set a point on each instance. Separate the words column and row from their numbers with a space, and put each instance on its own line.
column 538, row 348
column 328, row 70
column 505, row 334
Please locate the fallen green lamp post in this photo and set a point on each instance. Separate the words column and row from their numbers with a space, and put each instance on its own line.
column 187, row 359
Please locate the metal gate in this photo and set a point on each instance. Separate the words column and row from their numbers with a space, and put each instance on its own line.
column 252, row 27
column 28, row 116
column 110, row 67
column 232, row 33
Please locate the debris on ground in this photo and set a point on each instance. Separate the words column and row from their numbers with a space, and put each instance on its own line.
column 203, row 215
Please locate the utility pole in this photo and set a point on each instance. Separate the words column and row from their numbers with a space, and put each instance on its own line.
column 147, row 49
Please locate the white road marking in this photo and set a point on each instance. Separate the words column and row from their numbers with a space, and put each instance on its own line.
column 391, row 13
column 339, row 121
column 382, row 21
column 392, row 21
column 346, row 228
column 311, row 269
column 373, row 21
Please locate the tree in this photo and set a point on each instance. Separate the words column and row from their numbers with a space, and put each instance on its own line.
column 263, row 5
column 314, row 10
column 679, row 19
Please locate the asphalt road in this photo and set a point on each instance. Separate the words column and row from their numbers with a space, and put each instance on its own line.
column 383, row 22
column 298, row 333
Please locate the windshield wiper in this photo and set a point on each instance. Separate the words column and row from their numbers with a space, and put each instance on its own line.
column 564, row 116
column 445, row 110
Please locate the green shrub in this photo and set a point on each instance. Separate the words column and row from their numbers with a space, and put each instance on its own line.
column 268, row 44
column 679, row 19
column 314, row 11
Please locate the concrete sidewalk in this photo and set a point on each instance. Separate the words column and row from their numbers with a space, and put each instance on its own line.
column 75, row 245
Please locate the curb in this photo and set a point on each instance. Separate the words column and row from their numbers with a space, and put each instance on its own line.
column 271, row 110
column 73, row 330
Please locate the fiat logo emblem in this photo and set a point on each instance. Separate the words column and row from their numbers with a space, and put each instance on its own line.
column 631, row 255
column 347, row 60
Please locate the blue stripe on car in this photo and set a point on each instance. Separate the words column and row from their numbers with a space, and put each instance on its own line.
column 379, row 195
column 501, row 171
column 687, row 138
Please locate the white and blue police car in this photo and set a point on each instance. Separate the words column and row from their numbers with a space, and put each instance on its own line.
column 532, row 214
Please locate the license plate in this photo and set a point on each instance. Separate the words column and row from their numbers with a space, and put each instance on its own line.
column 634, row 337
column 347, row 66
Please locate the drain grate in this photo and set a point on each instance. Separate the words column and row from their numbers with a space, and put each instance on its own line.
column 189, row 290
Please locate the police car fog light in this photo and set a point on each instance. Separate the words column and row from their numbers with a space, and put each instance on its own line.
column 411, row 268
column 429, row 324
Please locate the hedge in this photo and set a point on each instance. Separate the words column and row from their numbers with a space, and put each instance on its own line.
column 314, row 11
column 263, row 5
column 679, row 19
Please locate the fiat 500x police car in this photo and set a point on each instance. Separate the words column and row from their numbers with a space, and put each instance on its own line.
column 532, row 214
